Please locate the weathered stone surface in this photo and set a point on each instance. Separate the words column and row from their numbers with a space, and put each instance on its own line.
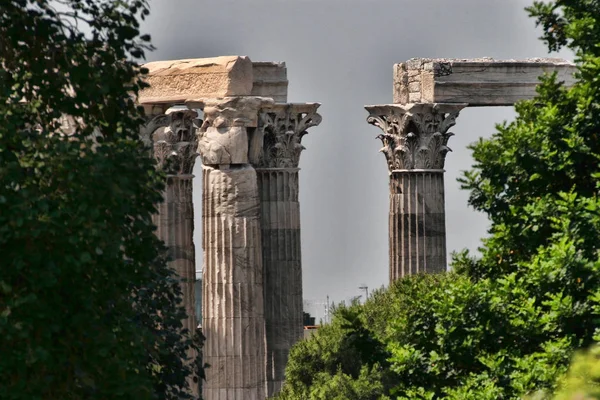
column 415, row 138
column 478, row 82
column 239, row 210
column 172, row 139
column 223, row 137
column 172, row 136
column 417, row 226
column 270, row 80
column 275, row 151
column 281, row 249
column 233, row 307
column 233, row 298
column 179, row 80
column 175, row 222
column 277, row 141
column 428, row 95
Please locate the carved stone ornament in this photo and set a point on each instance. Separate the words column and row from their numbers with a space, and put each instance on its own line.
column 276, row 142
column 69, row 125
column 223, row 137
column 415, row 136
column 172, row 138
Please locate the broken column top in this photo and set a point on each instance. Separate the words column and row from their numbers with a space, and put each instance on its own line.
column 176, row 81
column 477, row 81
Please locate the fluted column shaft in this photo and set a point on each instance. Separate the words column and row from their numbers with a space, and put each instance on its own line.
column 280, row 226
column 233, row 321
column 276, row 155
column 170, row 134
column 175, row 222
column 233, row 305
column 417, row 223
column 415, row 138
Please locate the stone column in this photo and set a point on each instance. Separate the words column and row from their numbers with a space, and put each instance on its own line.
column 172, row 137
column 275, row 151
column 232, row 307
column 415, row 138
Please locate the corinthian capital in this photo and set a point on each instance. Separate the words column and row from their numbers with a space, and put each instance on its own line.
column 223, row 136
column 277, row 140
column 172, row 138
column 415, row 136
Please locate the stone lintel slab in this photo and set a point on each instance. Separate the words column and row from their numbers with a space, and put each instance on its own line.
column 178, row 80
column 270, row 80
column 478, row 82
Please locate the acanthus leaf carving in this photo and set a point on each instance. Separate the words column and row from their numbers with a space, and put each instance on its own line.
column 414, row 136
column 172, row 139
column 280, row 131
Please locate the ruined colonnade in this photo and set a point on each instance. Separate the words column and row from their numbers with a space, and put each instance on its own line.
column 249, row 141
column 234, row 114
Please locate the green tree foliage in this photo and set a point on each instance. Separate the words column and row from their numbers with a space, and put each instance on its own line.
column 581, row 382
column 342, row 360
column 504, row 324
column 88, row 307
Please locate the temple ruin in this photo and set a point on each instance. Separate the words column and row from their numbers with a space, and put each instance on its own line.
column 235, row 115
column 249, row 141
column 428, row 95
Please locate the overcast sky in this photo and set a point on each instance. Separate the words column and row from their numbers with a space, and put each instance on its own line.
column 340, row 53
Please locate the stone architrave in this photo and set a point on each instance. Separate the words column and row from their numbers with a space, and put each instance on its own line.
column 415, row 138
column 232, row 308
column 171, row 135
column 478, row 82
column 275, row 152
column 176, row 81
column 270, row 80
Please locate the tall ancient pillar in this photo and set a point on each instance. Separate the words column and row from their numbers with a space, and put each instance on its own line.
column 428, row 95
column 276, row 155
column 232, row 308
column 173, row 139
column 415, row 138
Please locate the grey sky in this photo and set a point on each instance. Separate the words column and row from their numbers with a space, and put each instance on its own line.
column 340, row 53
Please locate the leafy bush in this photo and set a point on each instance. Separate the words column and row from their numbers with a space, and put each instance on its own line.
column 581, row 382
